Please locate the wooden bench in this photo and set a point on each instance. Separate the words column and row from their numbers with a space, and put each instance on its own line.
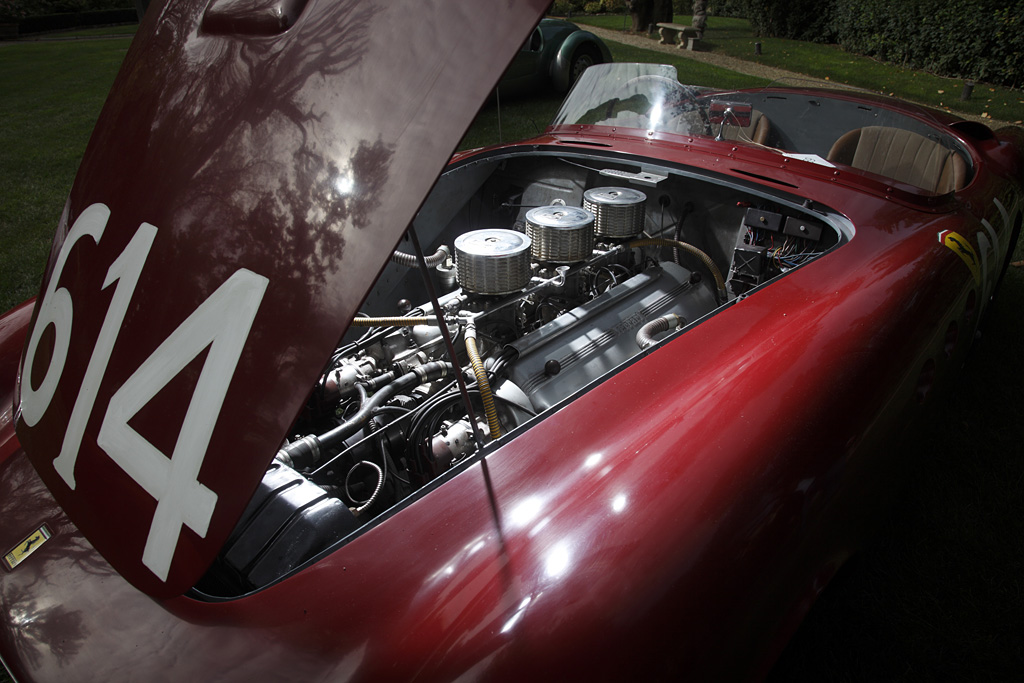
column 668, row 35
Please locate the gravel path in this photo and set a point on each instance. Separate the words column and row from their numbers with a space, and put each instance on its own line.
column 724, row 61
column 740, row 65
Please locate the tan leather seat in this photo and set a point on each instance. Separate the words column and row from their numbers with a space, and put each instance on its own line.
column 901, row 155
column 756, row 132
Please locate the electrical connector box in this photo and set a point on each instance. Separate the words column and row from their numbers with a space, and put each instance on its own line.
column 748, row 265
column 798, row 227
column 765, row 220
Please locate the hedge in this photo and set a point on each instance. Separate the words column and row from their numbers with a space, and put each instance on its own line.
column 59, row 22
column 16, row 10
column 978, row 39
column 807, row 20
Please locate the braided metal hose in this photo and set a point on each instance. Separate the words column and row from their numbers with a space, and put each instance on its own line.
column 409, row 260
column 645, row 336
column 677, row 244
column 393, row 322
column 481, row 381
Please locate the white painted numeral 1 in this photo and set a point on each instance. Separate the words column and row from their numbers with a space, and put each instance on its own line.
column 125, row 271
column 220, row 324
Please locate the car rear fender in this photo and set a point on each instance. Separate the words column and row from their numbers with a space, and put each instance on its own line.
column 562, row 64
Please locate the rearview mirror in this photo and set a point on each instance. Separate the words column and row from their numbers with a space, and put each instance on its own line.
column 731, row 113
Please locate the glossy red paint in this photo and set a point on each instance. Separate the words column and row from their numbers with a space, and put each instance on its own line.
column 299, row 147
column 666, row 521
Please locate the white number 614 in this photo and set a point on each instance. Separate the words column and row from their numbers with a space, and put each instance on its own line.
column 222, row 323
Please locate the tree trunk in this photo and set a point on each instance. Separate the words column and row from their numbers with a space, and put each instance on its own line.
column 648, row 12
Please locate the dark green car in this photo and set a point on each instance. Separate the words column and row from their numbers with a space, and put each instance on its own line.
column 555, row 55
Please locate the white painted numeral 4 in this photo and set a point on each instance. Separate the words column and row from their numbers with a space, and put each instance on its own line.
column 221, row 323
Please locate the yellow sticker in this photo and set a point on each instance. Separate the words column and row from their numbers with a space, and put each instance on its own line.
column 962, row 248
column 26, row 547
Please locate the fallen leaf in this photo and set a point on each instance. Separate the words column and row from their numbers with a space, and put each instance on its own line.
column 941, row 92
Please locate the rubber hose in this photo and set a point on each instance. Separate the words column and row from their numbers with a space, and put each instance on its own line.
column 375, row 383
column 705, row 259
column 482, row 383
column 428, row 372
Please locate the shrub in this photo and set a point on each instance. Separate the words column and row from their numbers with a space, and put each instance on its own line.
column 14, row 10
column 728, row 8
column 716, row 8
column 809, row 20
column 979, row 39
column 68, row 20
column 562, row 8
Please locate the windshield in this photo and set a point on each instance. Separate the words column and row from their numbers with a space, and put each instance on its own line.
column 644, row 96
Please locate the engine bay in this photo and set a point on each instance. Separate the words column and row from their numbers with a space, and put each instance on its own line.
column 542, row 272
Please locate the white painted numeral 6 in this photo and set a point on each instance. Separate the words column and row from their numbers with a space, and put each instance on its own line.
column 221, row 323
column 56, row 309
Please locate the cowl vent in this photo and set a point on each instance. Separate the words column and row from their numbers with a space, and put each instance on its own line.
column 251, row 17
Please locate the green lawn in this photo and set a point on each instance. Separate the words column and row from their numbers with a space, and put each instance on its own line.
column 696, row 73
column 517, row 119
column 52, row 95
column 735, row 38
column 121, row 30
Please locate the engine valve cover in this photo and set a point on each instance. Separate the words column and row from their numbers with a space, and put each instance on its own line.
column 580, row 346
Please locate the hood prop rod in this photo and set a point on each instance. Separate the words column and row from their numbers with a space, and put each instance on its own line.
column 425, row 272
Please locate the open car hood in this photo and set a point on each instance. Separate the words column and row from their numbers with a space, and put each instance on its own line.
column 253, row 167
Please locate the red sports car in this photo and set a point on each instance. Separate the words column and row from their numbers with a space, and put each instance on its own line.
column 304, row 398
